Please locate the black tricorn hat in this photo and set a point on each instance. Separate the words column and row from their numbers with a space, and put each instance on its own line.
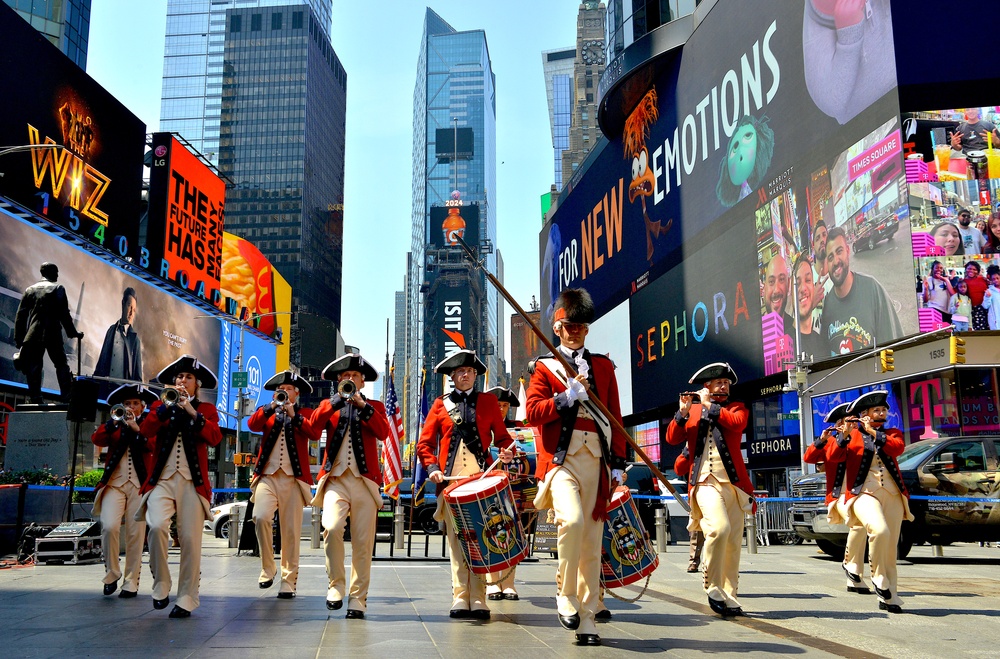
column 130, row 391
column 188, row 364
column 868, row 400
column 714, row 372
column 458, row 360
column 574, row 305
column 837, row 413
column 505, row 395
column 352, row 361
column 287, row 377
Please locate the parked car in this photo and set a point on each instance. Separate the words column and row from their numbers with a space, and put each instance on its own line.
column 219, row 526
column 875, row 231
column 955, row 468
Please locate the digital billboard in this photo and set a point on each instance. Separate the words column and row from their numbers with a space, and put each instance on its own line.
column 105, row 301
column 93, row 185
column 454, row 219
column 524, row 346
column 258, row 362
column 715, row 201
column 452, row 322
column 186, row 215
column 953, row 171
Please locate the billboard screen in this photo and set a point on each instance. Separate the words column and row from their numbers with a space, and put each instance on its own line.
column 258, row 362
column 953, row 170
column 524, row 346
column 165, row 326
column 186, row 214
column 93, row 186
column 454, row 219
column 452, row 323
column 745, row 153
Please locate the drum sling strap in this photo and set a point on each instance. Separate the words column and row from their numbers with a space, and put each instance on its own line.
column 464, row 430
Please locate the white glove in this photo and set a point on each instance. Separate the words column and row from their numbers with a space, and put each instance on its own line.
column 618, row 476
column 576, row 392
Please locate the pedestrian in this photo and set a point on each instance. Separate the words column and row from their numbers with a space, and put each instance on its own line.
column 960, row 307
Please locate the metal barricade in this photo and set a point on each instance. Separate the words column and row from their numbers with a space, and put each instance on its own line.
column 772, row 517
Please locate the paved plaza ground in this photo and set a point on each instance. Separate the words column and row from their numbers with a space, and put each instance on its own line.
column 794, row 597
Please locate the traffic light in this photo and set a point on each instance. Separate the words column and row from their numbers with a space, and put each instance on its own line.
column 887, row 360
column 956, row 352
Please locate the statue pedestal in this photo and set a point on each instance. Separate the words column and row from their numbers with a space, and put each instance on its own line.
column 40, row 437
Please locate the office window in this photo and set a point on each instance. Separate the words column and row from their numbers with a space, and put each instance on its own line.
column 276, row 21
column 255, row 22
column 236, row 24
column 297, row 20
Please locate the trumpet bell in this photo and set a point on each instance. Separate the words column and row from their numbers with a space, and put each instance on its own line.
column 281, row 397
column 118, row 413
column 346, row 389
column 170, row 397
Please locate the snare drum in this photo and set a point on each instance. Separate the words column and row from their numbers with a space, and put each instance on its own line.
column 626, row 552
column 486, row 522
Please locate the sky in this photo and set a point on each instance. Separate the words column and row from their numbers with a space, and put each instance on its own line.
column 379, row 50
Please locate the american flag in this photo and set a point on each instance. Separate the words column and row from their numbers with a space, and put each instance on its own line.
column 392, row 471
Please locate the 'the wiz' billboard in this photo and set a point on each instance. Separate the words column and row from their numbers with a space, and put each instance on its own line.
column 93, row 185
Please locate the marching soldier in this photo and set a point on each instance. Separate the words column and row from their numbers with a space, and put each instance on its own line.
column 126, row 467
column 455, row 442
column 497, row 589
column 817, row 453
column 877, row 498
column 350, row 479
column 281, row 478
column 184, row 427
column 581, row 459
column 721, row 492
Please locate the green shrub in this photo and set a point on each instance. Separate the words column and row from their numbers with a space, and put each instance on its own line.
column 29, row 476
column 87, row 479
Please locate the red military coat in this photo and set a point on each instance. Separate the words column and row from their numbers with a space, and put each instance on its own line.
column 556, row 424
column 732, row 421
column 110, row 435
column 820, row 454
column 854, row 455
column 202, row 433
column 263, row 420
column 374, row 428
column 435, row 438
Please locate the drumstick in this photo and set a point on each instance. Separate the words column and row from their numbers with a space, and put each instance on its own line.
column 491, row 468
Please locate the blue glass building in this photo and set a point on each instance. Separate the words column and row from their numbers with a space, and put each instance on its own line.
column 66, row 23
column 455, row 81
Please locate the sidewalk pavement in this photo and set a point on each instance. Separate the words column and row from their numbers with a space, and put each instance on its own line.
column 794, row 597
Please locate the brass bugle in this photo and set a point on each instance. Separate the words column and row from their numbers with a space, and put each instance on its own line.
column 280, row 397
column 347, row 389
column 170, row 397
column 118, row 413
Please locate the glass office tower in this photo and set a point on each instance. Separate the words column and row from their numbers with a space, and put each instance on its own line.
column 454, row 82
column 66, row 23
column 557, row 67
column 191, row 99
column 281, row 144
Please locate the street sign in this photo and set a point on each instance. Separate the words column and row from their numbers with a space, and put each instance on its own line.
column 239, row 380
column 791, row 416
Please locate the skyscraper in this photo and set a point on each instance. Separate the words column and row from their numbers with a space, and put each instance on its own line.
column 557, row 67
column 281, row 143
column 191, row 100
column 588, row 67
column 66, row 23
column 454, row 91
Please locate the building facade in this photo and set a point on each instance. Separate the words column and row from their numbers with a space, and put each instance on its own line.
column 281, row 144
column 557, row 68
column 66, row 23
column 191, row 99
column 454, row 91
column 588, row 66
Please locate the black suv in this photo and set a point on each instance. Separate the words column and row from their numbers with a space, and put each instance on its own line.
column 955, row 467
